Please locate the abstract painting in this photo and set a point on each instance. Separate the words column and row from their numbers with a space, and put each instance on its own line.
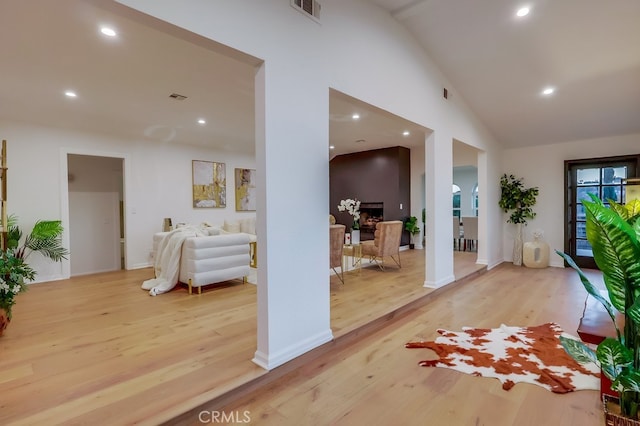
column 209, row 184
column 245, row 190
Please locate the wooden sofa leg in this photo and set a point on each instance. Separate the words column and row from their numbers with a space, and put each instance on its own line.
column 189, row 284
column 200, row 290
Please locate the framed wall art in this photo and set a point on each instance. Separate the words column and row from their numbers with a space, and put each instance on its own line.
column 209, row 184
column 245, row 189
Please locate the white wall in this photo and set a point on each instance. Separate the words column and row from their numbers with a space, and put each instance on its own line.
column 158, row 184
column 417, row 163
column 359, row 50
column 543, row 166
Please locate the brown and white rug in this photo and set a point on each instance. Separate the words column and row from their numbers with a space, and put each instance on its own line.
column 513, row 355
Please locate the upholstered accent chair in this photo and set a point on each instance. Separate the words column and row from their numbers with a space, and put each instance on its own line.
column 470, row 230
column 336, row 245
column 456, row 233
column 386, row 243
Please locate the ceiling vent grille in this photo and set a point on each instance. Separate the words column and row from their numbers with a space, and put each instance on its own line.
column 177, row 97
column 310, row 8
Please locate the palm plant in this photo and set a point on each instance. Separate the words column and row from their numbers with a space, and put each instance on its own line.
column 614, row 235
column 44, row 238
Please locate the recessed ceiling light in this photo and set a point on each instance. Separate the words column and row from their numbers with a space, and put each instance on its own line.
column 70, row 94
column 331, row 147
column 355, row 116
column 360, row 141
column 548, row 91
column 108, row 31
column 524, row 11
column 202, row 121
column 406, row 133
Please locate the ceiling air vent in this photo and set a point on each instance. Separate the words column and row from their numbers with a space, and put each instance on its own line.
column 311, row 8
column 177, row 97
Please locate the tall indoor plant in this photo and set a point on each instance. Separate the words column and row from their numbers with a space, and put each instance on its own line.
column 614, row 235
column 518, row 200
column 45, row 238
column 411, row 225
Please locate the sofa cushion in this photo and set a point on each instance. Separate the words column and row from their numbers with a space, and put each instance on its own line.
column 232, row 226
column 248, row 225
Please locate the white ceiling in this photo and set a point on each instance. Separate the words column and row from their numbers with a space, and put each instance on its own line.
column 498, row 65
column 588, row 49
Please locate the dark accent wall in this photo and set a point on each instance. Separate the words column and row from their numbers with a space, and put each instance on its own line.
column 376, row 176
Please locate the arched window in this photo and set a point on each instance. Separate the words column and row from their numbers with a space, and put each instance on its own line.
column 474, row 200
column 456, row 200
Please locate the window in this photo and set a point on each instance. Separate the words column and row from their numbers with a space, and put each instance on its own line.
column 601, row 177
column 456, row 200
column 474, row 200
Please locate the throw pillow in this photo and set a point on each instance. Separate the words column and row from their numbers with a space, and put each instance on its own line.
column 231, row 226
column 248, row 226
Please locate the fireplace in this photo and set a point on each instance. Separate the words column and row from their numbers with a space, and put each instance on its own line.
column 370, row 215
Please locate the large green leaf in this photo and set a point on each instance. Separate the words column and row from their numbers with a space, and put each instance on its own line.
column 633, row 208
column 591, row 289
column 613, row 357
column 582, row 353
column 44, row 229
column 629, row 380
column 633, row 311
column 615, row 250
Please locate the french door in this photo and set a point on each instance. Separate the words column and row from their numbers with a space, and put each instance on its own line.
column 602, row 177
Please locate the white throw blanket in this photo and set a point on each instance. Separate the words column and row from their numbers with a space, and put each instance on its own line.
column 167, row 260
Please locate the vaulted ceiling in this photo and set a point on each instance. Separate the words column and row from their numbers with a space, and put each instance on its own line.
column 589, row 50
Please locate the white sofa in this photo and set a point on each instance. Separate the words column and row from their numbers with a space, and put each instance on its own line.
column 211, row 259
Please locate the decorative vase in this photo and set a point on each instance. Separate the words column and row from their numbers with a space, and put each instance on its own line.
column 355, row 236
column 612, row 416
column 4, row 320
column 517, row 246
column 535, row 254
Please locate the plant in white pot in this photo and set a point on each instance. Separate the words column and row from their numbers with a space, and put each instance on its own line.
column 352, row 206
column 517, row 200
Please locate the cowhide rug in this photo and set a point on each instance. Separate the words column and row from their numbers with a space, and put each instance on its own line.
column 513, row 355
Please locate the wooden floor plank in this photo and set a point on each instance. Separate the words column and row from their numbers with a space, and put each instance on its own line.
column 98, row 346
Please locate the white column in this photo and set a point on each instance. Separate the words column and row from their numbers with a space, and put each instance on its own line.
column 292, row 157
column 439, row 178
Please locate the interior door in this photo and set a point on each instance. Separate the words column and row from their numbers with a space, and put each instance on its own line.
column 601, row 177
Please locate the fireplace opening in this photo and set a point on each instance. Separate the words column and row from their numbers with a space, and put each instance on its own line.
column 370, row 215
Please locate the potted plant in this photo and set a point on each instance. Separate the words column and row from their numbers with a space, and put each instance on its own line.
column 518, row 200
column 411, row 225
column 614, row 235
column 352, row 206
column 46, row 239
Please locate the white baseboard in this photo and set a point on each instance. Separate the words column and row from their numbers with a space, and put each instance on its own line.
column 271, row 361
column 440, row 283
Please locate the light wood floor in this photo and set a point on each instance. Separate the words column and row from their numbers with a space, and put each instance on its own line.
column 377, row 381
column 98, row 347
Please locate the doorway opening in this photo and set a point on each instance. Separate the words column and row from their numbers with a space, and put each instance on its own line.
column 96, row 214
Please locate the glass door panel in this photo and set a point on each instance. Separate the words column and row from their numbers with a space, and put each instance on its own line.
column 602, row 179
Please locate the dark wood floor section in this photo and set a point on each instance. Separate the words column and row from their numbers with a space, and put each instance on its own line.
column 98, row 347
